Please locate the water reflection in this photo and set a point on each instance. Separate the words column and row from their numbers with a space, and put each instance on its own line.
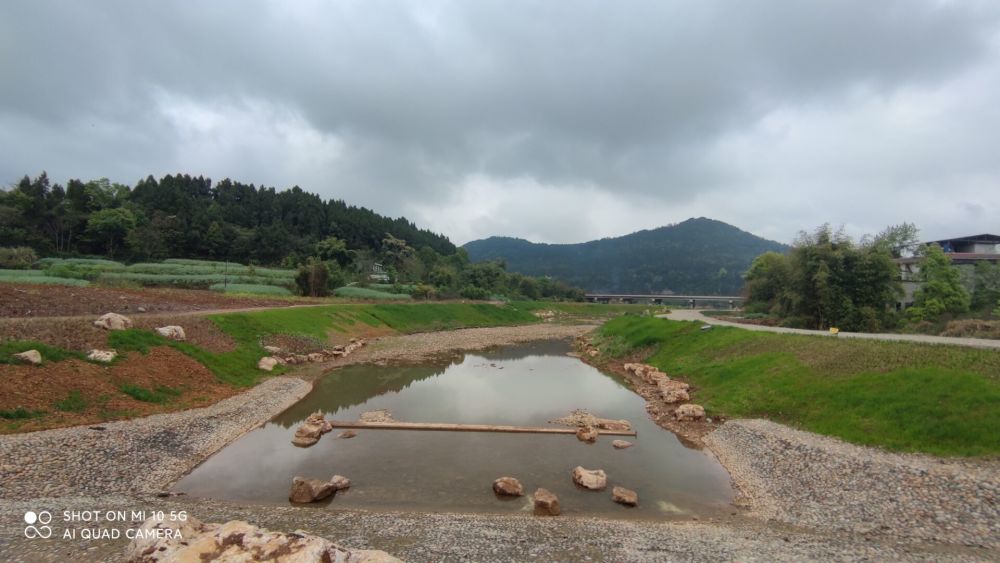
column 521, row 385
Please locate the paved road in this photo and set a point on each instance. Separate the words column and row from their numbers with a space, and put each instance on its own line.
column 695, row 315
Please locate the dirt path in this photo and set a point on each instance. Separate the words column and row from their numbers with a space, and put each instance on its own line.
column 695, row 315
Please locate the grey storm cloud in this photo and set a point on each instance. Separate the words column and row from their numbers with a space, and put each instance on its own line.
column 426, row 108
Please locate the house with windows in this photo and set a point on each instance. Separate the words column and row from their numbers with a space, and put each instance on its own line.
column 965, row 253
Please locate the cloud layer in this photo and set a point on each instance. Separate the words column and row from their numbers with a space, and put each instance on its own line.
column 550, row 120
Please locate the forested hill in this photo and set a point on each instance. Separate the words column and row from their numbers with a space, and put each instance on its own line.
column 700, row 256
column 182, row 216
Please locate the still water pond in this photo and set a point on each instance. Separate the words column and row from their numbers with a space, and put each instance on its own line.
column 526, row 385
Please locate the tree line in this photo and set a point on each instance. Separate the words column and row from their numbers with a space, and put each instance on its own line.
column 829, row 280
column 183, row 216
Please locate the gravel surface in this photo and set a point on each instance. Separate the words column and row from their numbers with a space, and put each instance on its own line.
column 695, row 315
column 486, row 538
column 135, row 456
column 814, row 481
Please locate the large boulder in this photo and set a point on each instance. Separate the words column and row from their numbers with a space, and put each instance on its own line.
column 192, row 540
column 33, row 357
column 674, row 391
column 173, row 332
column 587, row 434
column 508, row 486
column 310, row 490
column 593, row 479
column 311, row 430
column 267, row 363
column 621, row 495
column 689, row 412
column 102, row 355
column 546, row 503
column 113, row 321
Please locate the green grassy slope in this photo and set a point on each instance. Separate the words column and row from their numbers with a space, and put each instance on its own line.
column 942, row 400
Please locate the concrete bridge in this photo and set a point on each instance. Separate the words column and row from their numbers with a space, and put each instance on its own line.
column 691, row 301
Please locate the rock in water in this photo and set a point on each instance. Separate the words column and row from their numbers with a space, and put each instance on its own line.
column 267, row 363
column 191, row 540
column 621, row 444
column 689, row 412
column 173, row 332
column 310, row 490
column 340, row 482
column 587, row 434
column 546, row 503
column 380, row 415
column 347, row 434
column 508, row 486
column 102, row 355
column 593, row 479
column 311, row 430
column 621, row 495
column 113, row 321
column 33, row 357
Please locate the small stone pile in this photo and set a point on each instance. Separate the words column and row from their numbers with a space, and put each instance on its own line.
column 545, row 315
column 671, row 390
column 192, row 540
column 280, row 357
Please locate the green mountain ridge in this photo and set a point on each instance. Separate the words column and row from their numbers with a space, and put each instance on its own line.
column 700, row 255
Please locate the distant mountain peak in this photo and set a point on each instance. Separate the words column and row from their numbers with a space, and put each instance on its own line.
column 699, row 255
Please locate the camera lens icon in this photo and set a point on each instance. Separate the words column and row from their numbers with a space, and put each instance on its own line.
column 31, row 518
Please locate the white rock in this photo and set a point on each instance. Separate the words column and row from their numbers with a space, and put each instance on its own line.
column 102, row 355
column 593, row 479
column 173, row 332
column 113, row 321
column 267, row 363
column 33, row 357
column 689, row 412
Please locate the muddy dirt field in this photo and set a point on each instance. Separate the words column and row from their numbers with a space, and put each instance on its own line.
column 75, row 392
column 22, row 300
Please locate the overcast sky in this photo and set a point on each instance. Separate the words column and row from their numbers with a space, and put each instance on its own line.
column 555, row 121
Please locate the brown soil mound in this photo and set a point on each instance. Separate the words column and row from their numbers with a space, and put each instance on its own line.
column 188, row 384
column 81, row 334
column 23, row 300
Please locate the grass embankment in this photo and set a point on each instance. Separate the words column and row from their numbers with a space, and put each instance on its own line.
column 249, row 330
column 942, row 400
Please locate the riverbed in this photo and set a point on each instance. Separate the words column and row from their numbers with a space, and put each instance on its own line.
column 526, row 385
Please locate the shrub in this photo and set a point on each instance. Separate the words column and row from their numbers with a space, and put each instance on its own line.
column 17, row 257
column 472, row 292
column 19, row 413
column 313, row 279
column 424, row 291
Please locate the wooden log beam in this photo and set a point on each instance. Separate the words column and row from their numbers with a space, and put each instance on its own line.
column 444, row 427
